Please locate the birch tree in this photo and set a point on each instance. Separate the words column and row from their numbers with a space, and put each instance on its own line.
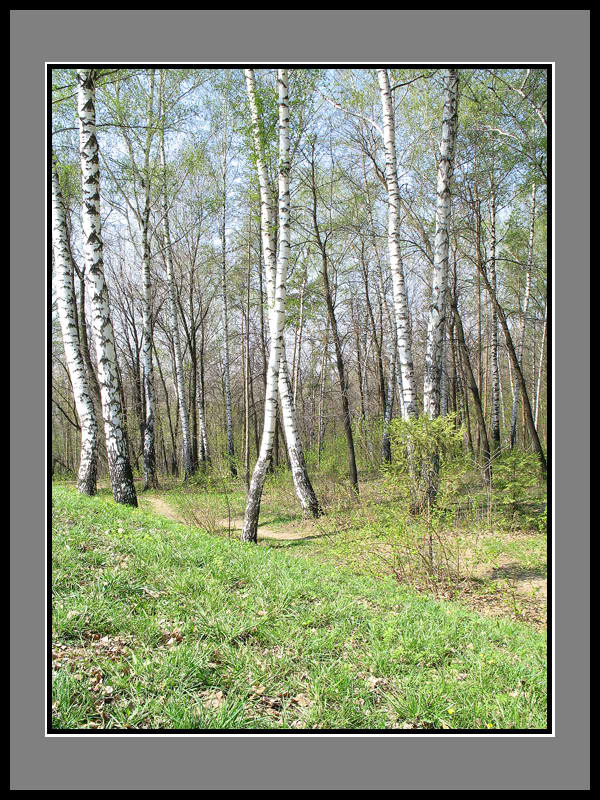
column 116, row 443
column 523, row 317
column 276, row 317
column 399, row 283
column 172, row 296
column 226, row 366
column 302, row 484
column 439, row 284
column 494, row 324
column 67, row 314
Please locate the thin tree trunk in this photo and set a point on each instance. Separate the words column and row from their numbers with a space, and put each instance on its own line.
column 523, row 315
column 88, row 465
column 201, row 402
column 400, row 295
column 148, row 369
column 487, row 469
column 302, row 483
column 116, row 442
column 437, row 320
column 496, row 443
column 276, row 317
column 321, row 426
column 519, row 374
column 342, row 376
column 172, row 299
column 226, row 367
column 247, row 367
column 297, row 358
column 540, row 369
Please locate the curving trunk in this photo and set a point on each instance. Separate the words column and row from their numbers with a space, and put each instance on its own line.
column 302, row 484
column 439, row 283
column 409, row 393
column 116, row 442
column 276, row 320
column 88, row 464
column 517, row 371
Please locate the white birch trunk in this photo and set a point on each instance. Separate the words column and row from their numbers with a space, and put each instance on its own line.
column 302, row 484
column 226, row 368
column 276, row 319
column 400, row 296
column 148, row 367
column 524, row 310
column 436, row 323
column 444, row 375
column 202, row 426
column 116, row 443
column 172, row 302
column 494, row 332
column 88, row 464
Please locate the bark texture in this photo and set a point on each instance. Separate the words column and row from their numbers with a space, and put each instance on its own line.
column 116, row 442
column 67, row 314
column 276, row 319
column 302, row 484
column 439, row 283
column 399, row 284
column 172, row 302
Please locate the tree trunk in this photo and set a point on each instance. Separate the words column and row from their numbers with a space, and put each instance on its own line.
column 541, row 367
column 172, row 299
column 496, row 443
column 148, row 367
column 523, row 315
column 487, row 469
column 399, row 284
column 342, row 376
column 519, row 374
column 116, row 443
column 226, row 368
column 302, row 484
column 88, row 465
column 276, row 317
column 437, row 320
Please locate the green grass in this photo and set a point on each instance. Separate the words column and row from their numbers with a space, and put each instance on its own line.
column 491, row 562
column 159, row 626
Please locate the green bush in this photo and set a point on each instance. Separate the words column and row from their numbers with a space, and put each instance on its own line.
column 424, row 450
column 516, row 478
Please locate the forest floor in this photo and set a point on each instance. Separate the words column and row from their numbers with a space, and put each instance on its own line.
column 498, row 570
column 162, row 625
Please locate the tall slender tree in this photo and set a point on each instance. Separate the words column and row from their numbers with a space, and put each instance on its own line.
column 224, row 298
column 150, row 479
column 67, row 314
column 302, row 484
column 172, row 292
column 523, row 317
column 276, row 317
column 108, row 377
column 398, row 280
column 437, row 319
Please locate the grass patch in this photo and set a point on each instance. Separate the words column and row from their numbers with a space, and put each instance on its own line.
column 159, row 626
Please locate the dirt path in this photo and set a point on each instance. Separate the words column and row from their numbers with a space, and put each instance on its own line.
column 160, row 506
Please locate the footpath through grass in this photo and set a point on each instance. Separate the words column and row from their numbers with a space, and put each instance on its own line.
column 159, row 626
